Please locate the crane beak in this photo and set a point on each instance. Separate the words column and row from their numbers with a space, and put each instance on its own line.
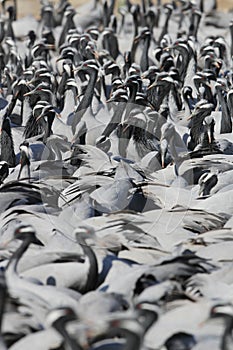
column 151, row 86
column 163, row 152
column 162, row 160
column 111, row 99
column 217, row 64
column 39, row 117
column 77, row 69
column 190, row 117
column 50, row 46
column 167, row 48
column 136, row 39
column 96, row 55
column 30, row 81
column 28, row 93
column 6, row 243
column 78, row 96
column 126, row 128
column 204, row 322
column 151, row 106
column 209, row 135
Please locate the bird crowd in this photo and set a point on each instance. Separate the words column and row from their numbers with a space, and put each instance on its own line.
column 116, row 176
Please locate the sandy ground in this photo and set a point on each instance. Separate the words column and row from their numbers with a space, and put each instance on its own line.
column 26, row 7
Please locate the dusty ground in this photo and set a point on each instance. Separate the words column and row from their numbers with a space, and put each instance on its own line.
column 26, row 7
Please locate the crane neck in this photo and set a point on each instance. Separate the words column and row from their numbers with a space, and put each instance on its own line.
column 92, row 277
column 71, row 344
column 13, row 262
